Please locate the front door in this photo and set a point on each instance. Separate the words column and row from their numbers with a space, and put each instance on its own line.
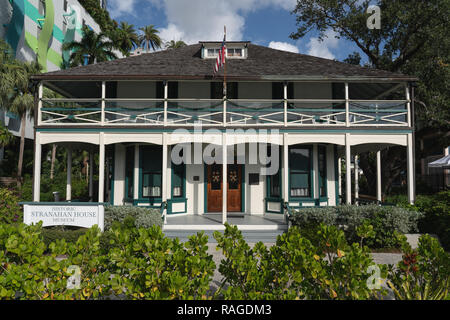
column 234, row 188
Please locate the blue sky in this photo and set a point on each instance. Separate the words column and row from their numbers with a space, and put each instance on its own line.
column 264, row 22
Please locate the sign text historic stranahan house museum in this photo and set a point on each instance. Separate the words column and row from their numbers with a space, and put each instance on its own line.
column 168, row 134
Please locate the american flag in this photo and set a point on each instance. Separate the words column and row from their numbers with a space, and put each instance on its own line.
column 220, row 61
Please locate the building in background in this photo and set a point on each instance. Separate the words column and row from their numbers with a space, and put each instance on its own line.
column 37, row 29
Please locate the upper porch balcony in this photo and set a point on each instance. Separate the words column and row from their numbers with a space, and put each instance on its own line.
column 247, row 104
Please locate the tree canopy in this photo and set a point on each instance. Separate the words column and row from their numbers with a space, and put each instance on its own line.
column 413, row 39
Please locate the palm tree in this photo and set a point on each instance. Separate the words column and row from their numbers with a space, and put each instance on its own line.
column 126, row 37
column 172, row 44
column 95, row 46
column 5, row 136
column 21, row 100
column 150, row 38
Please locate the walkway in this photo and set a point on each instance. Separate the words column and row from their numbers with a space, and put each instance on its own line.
column 254, row 228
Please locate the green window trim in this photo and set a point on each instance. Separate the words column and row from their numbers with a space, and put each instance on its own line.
column 153, row 170
column 178, row 180
column 299, row 171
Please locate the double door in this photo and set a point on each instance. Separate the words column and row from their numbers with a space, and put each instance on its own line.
column 215, row 188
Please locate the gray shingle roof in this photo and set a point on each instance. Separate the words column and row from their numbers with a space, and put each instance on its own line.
column 263, row 63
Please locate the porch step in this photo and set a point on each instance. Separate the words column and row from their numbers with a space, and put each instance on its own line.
column 251, row 236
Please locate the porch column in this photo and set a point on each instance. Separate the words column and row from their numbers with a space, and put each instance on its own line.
column 103, row 104
column 91, row 176
column 224, row 177
column 410, row 171
column 166, row 95
column 285, row 175
column 356, row 179
column 379, row 176
column 69, row 175
column 348, row 177
column 315, row 188
column 164, row 173
column 347, row 106
column 101, row 169
column 285, row 104
column 136, row 173
column 339, row 164
column 37, row 169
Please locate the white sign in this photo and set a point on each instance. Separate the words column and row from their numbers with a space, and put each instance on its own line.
column 84, row 216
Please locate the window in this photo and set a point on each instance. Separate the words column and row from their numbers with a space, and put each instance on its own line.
column 65, row 5
column 300, row 172
column 151, row 163
column 178, row 180
column 152, row 185
column 231, row 52
column 213, row 52
column 216, row 177
column 274, row 184
column 322, row 171
column 234, row 52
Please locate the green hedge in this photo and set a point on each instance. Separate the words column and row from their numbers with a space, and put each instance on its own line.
column 10, row 211
column 141, row 217
column 144, row 264
column 385, row 220
column 436, row 214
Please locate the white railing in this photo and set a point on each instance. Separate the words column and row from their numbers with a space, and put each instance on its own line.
column 227, row 112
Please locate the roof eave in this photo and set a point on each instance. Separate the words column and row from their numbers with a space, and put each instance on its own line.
column 49, row 77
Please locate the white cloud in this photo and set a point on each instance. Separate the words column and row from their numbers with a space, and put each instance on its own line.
column 284, row 46
column 203, row 20
column 322, row 48
column 118, row 7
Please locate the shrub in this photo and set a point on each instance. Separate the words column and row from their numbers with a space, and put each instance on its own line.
column 436, row 214
column 323, row 267
column 10, row 211
column 385, row 220
column 423, row 273
column 147, row 265
column 142, row 217
column 51, row 234
column 33, row 271
column 80, row 190
column 139, row 264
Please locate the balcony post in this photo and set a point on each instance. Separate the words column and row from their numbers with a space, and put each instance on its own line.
column 339, row 164
column 408, row 105
column 224, row 111
column 166, row 95
column 37, row 169
column 285, row 94
column 101, row 168
column 224, row 177
column 285, row 175
column 379, row 176
column 410, row 169
column 103, row 103
column 40, row 95
column 347, row 106
column 356, row 179
column 164, row 173
column 348, row 177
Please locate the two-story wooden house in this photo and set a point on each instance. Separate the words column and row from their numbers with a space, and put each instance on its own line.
column 302, row 113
